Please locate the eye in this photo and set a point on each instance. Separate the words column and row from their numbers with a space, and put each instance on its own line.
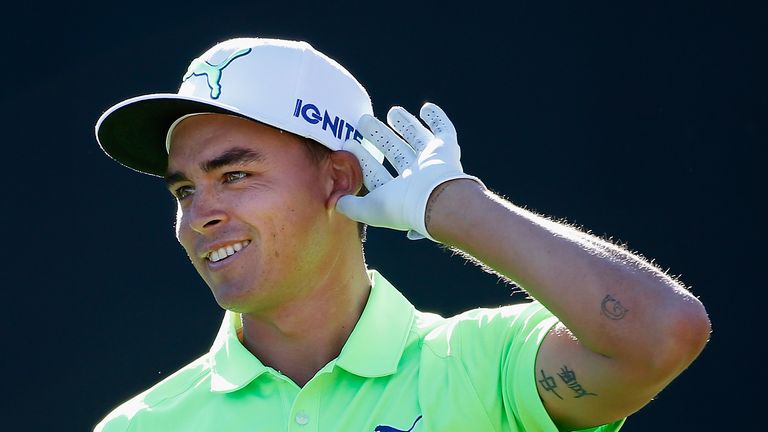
column 234, row 176
column 182, row 192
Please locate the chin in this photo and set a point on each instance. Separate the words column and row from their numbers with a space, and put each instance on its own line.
column 231, row 298
column 233, row 305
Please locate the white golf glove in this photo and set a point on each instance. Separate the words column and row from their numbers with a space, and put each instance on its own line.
column 424, row 160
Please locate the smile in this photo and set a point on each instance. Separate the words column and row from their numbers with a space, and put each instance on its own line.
column 226, row 251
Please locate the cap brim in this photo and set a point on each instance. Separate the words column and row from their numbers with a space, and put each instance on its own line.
column 133, row 132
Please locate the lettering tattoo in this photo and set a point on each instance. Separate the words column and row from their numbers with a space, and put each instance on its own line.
column 548, row 383
column 612, row 308
column 428, row 213
column 569, row 378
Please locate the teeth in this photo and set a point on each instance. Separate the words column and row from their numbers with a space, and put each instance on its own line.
column 226, row 251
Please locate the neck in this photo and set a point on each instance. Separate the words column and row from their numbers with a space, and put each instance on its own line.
column 301, row 337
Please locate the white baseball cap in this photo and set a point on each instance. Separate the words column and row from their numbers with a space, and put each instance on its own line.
column 285, row 84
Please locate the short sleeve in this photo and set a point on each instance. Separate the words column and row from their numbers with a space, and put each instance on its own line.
column 497, row 349
column 520, row 394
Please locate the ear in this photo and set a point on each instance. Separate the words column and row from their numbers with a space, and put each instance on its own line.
column 346, row 174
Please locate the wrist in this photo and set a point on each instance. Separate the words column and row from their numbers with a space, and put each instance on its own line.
column 448, row 208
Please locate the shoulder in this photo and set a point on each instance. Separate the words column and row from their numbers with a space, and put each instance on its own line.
column 490, row 327
column 467, row 355
column 172, row 387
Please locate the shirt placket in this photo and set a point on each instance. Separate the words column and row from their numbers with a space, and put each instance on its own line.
column 305, row 412
column 303, row 416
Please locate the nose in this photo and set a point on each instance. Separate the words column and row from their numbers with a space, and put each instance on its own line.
column 206, row 211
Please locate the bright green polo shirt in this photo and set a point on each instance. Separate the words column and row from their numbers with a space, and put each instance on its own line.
column 400, row 370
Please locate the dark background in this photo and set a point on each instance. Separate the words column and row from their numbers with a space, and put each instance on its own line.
column 645, row 122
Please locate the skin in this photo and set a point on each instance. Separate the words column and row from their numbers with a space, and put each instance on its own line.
column 627, row 329
column 304, row 259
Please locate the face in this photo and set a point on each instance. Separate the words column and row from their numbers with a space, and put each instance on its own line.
column 252, row 210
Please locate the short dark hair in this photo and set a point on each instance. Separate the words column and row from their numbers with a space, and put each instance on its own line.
column 318, row 153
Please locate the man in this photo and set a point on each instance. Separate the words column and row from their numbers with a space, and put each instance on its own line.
column 266, row 147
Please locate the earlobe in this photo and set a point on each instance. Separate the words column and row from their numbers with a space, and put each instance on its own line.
column 346, row 174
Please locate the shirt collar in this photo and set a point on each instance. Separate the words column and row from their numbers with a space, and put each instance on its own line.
column 377, row 342
column 233, row 365
column 373, row 349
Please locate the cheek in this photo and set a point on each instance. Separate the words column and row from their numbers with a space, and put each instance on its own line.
column 182, row 229
column 284, row 224
column 302, row 230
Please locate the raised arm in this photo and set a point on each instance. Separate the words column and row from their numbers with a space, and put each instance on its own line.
column 627, row 329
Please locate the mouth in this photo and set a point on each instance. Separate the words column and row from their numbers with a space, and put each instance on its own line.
column 227, row 251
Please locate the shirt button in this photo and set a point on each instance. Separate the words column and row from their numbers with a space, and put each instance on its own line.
column 302, row 418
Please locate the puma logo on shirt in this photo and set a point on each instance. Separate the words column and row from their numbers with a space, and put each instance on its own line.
column 382, row 428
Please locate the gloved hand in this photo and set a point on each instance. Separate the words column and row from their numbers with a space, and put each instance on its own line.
column 424, row 160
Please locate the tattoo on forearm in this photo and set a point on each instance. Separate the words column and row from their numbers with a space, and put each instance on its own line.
column 430, row 202
column 569, row 378
column 548, row 383
column 612, row 308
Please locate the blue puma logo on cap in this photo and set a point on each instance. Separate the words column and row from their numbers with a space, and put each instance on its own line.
column 382, row 428
column 200, row 67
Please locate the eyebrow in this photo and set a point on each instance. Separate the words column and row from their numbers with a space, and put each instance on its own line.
column 233, row 156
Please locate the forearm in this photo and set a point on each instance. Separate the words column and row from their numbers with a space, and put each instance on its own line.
column 614, row 302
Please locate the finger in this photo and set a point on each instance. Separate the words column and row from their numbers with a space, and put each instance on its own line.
column 407, row 125
column 374, row 173
column 438, row 122
column 397, row 151
column 371, row 209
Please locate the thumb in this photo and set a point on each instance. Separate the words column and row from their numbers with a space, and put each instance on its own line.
column 352, row 206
